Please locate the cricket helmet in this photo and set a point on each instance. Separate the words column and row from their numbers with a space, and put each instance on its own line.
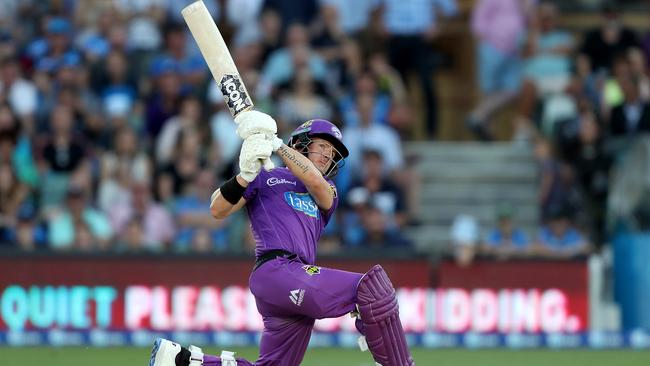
column 302, row 136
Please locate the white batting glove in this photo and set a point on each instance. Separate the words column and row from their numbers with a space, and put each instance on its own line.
column 248, row 170
column 252, row 122
column 255, row 151
column 276, row 142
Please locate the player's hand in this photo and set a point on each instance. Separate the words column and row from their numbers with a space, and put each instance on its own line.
column 248, row 170
column 252, row 122
column 276, row 142
column 255, row 151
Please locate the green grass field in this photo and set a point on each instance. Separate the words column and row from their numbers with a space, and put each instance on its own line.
column 41, row 356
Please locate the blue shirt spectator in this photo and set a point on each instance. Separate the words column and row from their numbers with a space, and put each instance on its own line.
column 406, row 17
column 192, row 212
column 353, row 15
column 559, row 238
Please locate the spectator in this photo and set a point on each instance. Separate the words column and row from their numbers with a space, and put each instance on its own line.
column 354, row 16
column 31, row 234
column 556, row 181
column 12, row 195
column 497, row 25
column 633, row 115
column 197, row 229
column 365, row 84
column 283, row 63
column 188, row 120
column 411, row 27
column 464, row 235
column 113, row 81
column 61, row 157
column 301, row 103
column 387, row 78
column 75, row 215
column 243, row 13
column 126, row 162
column 132, row 240
column 270, row 28
column 376, row 231
column 189, row 62
column 155, row 220
column 368, row 225
column 328, row 36
column 506, row 240
column 292, row 12
column 20, row 92
column 16, row 146
column 49, row 52
column 559, row 238
column 586, row 153
column 639, row 70
column 163, row 102
column 546, row 71
column 189, row 157
column 376, row 186
column 95, row 20
column 371, row 134
column 610, row 40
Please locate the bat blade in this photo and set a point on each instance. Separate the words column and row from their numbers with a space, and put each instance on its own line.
column 216, row 55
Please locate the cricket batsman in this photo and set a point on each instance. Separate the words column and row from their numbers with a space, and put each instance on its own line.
column 288, row 209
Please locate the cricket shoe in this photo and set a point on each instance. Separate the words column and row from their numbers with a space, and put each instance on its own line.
column 168, row 353
column 164, row 353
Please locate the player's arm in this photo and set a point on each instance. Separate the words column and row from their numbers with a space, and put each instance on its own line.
column 220, row 206
column 309, row 175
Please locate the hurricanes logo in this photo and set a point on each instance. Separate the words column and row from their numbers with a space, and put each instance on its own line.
column 236, row 96
column 311, row 270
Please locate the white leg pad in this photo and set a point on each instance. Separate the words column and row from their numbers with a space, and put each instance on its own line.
column 228, row 358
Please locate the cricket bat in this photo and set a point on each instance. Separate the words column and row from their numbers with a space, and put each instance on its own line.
column 216, row 55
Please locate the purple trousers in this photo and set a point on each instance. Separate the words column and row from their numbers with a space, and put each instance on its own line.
column 290, row 296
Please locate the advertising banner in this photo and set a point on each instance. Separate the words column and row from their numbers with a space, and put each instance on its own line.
column 100, row 300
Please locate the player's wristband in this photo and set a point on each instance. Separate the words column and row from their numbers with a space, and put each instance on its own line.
column 232, row 191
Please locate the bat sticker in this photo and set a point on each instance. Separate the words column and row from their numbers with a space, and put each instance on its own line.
column 234, row 92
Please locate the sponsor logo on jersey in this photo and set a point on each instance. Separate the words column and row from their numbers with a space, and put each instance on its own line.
column 235, row 94
column 311, row 270
column 302, row 202
column 275, row 181
column 297, row 296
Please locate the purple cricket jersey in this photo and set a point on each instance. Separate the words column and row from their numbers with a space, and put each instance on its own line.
column 283, row 214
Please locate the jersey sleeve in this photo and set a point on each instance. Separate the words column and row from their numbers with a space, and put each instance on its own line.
column 254, row 186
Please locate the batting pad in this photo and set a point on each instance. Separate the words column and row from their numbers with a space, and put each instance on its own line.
column 380, row 317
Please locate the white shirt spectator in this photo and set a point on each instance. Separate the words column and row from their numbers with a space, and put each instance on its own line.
column 22, row 96
column 377, row 137
column 143, row 34
column 241, row 13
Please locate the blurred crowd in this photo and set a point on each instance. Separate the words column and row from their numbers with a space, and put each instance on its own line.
column 113, row 134
column 580, row 100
